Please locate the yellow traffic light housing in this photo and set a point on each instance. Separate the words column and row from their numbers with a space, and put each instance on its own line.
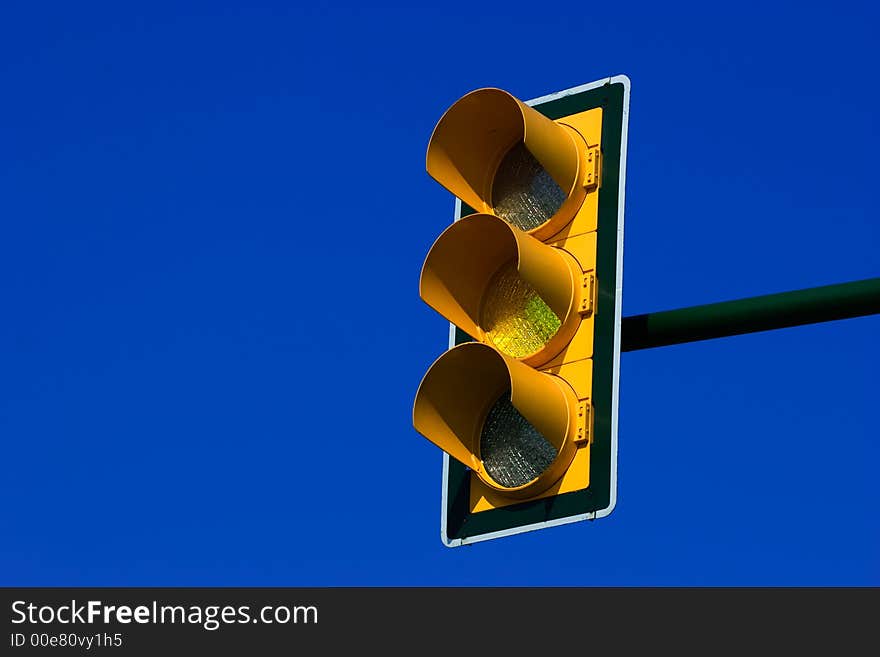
column 523, row 276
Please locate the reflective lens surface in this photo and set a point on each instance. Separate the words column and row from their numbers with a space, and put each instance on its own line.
column 514, row 316
column 523, row 193
column 513, row 451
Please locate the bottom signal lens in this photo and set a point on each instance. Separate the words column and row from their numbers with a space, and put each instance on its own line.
column 512, row 450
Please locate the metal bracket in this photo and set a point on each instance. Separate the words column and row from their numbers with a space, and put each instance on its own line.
column 591, row 179
column 584, row 435
column 587, row 295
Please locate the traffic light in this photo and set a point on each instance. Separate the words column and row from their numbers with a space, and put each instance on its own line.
column 525, row 400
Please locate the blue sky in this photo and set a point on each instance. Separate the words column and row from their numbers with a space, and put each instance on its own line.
column 213, row 221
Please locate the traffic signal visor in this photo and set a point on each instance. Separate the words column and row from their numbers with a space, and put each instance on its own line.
column 501, row 156
column 517, row 429
column 503, row 287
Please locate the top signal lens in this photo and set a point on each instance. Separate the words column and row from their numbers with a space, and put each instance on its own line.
column 524, row 194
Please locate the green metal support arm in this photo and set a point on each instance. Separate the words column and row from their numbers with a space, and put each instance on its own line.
column 764, row 313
